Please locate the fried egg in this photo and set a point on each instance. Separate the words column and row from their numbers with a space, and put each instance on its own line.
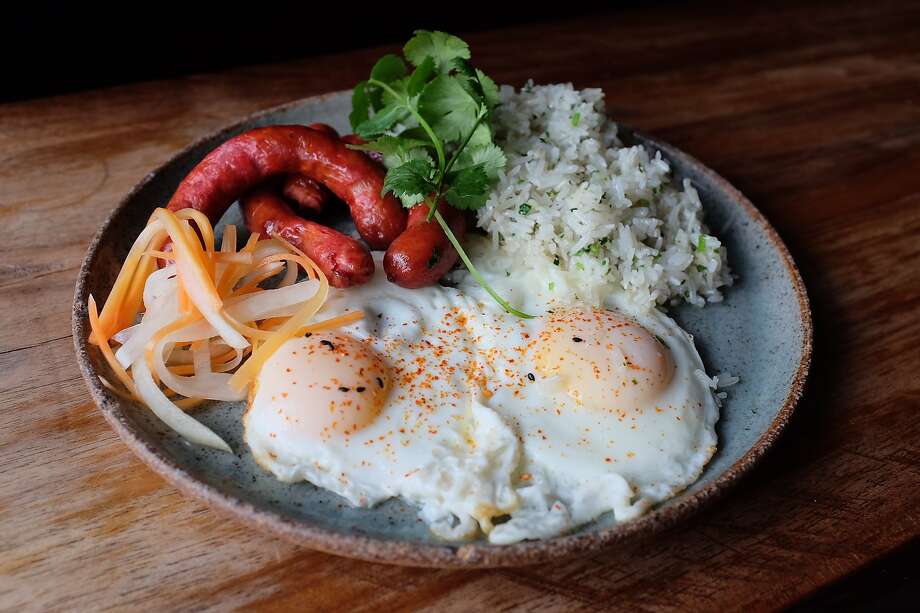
column 490, row 424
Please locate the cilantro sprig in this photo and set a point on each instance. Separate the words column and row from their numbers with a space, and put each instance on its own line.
column 432, row 126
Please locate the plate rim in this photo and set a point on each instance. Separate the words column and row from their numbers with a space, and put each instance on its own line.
column 410, row 553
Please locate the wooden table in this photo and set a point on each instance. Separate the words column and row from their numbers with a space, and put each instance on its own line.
column 814, row 112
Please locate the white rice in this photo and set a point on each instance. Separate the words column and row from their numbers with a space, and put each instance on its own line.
column 609, row 217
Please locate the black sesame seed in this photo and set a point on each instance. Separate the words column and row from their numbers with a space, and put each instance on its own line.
column 360, row 388
column 380, row 382
column 577, row 339
column 328, row 344
column 344, row 389
column 308, row 335
column 531, row 377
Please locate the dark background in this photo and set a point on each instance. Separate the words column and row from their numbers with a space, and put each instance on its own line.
column 52, row 48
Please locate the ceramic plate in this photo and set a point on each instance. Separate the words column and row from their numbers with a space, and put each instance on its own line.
column 761, row 332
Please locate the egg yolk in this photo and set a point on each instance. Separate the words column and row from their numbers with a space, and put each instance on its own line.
column 324, row 385
column 602, row 359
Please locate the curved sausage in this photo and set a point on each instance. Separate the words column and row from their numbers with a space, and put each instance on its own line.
column 423, row 254
column 243, row 162
column 343, row 260
column 306, row 193
column 324, row 127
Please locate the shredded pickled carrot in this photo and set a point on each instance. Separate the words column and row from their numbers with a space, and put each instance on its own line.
column 204, row 226
column 204, row 279
column 134, row 300
column 233, row 273
column 162, row 255
column 162, row 333
column 189, row 369
column 102, row 340
column 332, row 323
column 248, row 371
column 109, row 317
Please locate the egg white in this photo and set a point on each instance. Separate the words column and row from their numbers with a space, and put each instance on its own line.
column 471, row 431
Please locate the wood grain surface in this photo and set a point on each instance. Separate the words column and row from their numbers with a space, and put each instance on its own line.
column 813, row 110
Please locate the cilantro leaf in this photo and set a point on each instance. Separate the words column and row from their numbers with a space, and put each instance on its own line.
column 460, row 66
column 396, row 150
column 420, row 77
column 396, row 93
column 489, row 89
column 468, row 79
column 360, row 105
column 439, row 46
column 389, row 68
column 382, row 121
column 432, row 128
column 411, row 181
column 481, row 136
column 469, row 187
column 416, row 133
column 489, row 156
column 449, row 108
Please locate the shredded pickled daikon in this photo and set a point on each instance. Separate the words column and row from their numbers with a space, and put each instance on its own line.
column 202, row 316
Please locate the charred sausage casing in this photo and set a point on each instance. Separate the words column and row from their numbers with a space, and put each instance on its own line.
column 306, row 193
column 243, row 162
column 344, row 260
column 423, row 254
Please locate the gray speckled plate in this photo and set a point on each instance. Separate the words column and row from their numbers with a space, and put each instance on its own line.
column 761, row 332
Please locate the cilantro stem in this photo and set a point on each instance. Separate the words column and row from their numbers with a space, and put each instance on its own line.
column 469, row 265
column 444, row 167
column 438, row 146
column 450, row 164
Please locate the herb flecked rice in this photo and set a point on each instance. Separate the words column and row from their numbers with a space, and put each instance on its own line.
column 576, row 203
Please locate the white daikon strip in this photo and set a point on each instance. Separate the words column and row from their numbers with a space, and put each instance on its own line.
column 266, row 271
column 236, row 361
column 195, row 278
column 192, row 430
column 163, row 313
column 209, row 385
column 184, row 356
column 201, row 357
column 204, row 383
column 268, row 247
column 281, row 302
column 214, row 314
column 122, row 336
column 159, row 283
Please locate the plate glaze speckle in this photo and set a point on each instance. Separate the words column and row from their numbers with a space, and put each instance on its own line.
column 761, row 332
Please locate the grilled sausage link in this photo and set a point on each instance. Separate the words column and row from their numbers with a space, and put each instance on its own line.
column 423, row 254
column 324, row 127
column 304, row 191
column 243, row 162
column 344, row 260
